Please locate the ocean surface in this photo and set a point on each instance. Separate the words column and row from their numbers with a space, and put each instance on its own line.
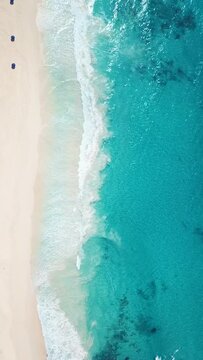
column 120, row 266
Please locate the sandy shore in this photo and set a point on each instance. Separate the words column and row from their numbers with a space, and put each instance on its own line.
column 20, row 129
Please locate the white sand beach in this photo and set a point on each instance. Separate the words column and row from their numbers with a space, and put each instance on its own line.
column 20, row 129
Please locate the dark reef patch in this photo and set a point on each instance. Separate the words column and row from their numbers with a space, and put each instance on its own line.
column 121, row 338
column 168, row 19
column 149, row 292
column 144, row 325
column 162, row 71
column 198, row 231
column 110, row 352
column 164, row 287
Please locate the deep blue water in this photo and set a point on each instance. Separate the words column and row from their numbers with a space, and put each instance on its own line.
column 145, row 290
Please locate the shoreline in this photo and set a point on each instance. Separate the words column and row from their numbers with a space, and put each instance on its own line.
column 60, row 214
column 67, row 216
column 20, row 101
column 60, row 304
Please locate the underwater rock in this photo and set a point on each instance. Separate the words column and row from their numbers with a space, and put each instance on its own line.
column 153, row 330
column 162, row 71
column 124, row 302
column 166, row 19
column 149, row 292
column 198, row 231
column 120, row 335
column 164, row 287
column 109, row 353
column 144, row 326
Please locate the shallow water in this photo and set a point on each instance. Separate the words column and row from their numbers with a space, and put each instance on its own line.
column 134, row 289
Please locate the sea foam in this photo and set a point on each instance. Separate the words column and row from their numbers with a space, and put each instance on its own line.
column 92, row 159
column 94, row 130
column 171, row 357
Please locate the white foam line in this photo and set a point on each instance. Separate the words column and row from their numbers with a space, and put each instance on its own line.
column 61, row 339
column 94, row 127
column 92, row 160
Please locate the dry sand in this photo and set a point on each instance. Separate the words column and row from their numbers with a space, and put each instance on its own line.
column 20, row 129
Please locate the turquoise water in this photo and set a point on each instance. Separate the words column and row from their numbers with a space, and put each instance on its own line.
column 143, row 275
